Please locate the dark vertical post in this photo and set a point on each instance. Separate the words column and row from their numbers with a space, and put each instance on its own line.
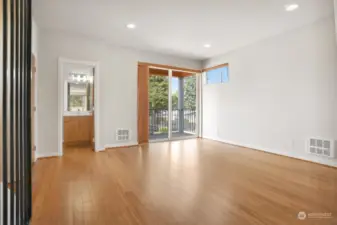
column 17, row 114
column 4, row 116
column 21, row 110
column 24, row 112
column 11, row 113
column 29, row 111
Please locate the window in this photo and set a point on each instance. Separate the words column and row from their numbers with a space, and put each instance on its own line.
column 217, row 76
column 79, row 93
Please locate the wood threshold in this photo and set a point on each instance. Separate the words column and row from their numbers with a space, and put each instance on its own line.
column 123, row 146
column 77, row 143
column 46, row 158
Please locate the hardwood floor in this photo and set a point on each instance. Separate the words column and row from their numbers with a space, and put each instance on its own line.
column 192, row 182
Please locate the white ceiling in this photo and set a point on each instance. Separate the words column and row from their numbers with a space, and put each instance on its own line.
column 178, row 27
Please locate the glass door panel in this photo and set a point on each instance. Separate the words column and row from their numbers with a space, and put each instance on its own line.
column 184, row 105
column 158, row 107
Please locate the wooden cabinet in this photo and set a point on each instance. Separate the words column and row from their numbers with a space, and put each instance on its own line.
column 78, row 130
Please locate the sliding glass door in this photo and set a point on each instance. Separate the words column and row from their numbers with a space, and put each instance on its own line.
column 173, row 105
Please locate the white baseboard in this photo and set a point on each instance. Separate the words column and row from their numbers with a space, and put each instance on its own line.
column 327, row 162
column 120, row 145
column 46, row 155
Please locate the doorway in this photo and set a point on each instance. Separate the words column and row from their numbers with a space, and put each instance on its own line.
column 172, row 105
column 77, row 94
column 169, row 99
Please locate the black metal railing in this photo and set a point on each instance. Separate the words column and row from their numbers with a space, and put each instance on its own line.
column 183, row 120
column 16, row 147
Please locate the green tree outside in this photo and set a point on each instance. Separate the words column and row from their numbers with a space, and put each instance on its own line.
column 158, row 92
column 159, row 88
column 190, row 93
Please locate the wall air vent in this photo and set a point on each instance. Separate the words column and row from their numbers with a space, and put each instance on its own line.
column 321, row 147
column 123, row 134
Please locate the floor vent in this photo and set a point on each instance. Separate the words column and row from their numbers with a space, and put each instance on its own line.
column 123, row 135
column 321, row 147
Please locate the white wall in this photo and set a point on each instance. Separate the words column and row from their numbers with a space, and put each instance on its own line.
column 117, row 84
column 35, row 40
column 282, row 91
column 335, row 9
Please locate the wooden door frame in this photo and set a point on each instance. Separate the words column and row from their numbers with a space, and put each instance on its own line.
column 143, row 95
column 95, row 65
column 143, row 106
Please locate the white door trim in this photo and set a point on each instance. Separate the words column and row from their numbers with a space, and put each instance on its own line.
column 95, row 65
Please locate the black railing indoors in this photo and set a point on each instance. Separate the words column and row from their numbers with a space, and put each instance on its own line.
column 16, row 196
column 183, row 120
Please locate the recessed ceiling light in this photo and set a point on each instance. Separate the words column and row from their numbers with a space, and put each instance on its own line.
column 131, row 26
column 207, row 45
column 291, row 7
